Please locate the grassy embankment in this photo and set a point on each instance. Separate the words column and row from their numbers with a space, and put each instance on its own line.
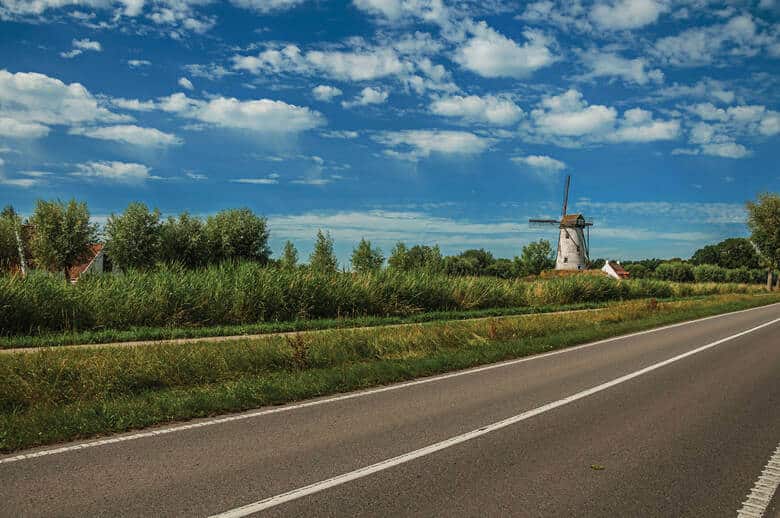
column 60, row 394
column 249, row 299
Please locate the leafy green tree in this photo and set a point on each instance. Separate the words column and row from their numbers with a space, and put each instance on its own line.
column 399, row 257
column 709, row 273
column 597, row 264
column 735, row 252
column 133, row 237
column 366, row 258
column 289, row 260
column 424, row 257
column 537, row 256
column 637, row 271
column 238, row 234
column 482, row 258
column 323, row 258
column 764, row 224
column 461, row 266
column 183, row 240
column 62, row 234
column 503, row 268
column 9, row 246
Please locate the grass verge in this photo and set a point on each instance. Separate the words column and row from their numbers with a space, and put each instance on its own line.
column 62, row 394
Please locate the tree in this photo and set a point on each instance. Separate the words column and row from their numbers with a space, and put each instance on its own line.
column 764, row 224
column 461, row 266
column 184, row 241
column 503, row 268
column 62, row 234
column 735, row 252
column 399, row 257
column 289, row 260
column 482, row 258
column 238, row 234
column 675, row 270
column 133, row 238
column 9, row 246
column 323, row 258
column 537, row 256
column 365, row 258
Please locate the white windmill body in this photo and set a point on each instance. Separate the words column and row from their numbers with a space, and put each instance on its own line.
column 573, row 237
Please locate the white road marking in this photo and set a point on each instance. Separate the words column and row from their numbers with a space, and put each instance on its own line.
column 458, row 439
column 763, row 490
column 350, row 395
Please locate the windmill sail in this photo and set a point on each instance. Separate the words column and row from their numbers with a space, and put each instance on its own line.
column 566, row 195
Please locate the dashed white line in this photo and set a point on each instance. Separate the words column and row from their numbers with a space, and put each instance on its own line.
column 295, row 494
column 343, row 397
column 763, row 490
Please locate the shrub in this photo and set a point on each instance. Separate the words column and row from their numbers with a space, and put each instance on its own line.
column 709, row 273
column 675, row 271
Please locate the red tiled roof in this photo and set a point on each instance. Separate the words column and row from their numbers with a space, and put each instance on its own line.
column 75, row 271
column 622, row 272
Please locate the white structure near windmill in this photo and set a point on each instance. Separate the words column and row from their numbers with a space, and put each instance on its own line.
column 573, row 238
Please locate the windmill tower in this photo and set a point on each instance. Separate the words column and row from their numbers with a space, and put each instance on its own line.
column 573, row 238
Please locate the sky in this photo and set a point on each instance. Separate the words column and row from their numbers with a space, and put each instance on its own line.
column 420, row 121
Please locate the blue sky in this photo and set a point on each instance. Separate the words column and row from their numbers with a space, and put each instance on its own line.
column 413, row 120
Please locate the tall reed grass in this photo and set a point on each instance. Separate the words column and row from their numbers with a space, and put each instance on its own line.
column 245, row 293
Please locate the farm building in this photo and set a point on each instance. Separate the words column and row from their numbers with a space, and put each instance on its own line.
column 615, row 270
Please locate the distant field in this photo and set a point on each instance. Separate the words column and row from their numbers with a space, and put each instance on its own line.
column 65, row 393
column 176, row 302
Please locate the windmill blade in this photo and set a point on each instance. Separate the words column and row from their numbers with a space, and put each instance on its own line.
column 543, row 222
column 566, row 194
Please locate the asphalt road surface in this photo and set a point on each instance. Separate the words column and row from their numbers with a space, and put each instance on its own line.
column 680, row 421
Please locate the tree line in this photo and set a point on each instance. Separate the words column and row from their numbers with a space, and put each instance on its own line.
column 58, row 236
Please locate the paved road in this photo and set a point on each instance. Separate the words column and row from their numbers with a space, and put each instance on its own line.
column 688, row 437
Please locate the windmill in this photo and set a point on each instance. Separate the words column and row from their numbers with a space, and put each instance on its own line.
column 573, row 238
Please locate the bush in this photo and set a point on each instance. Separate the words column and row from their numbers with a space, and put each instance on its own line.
column 709, row 273
column 638, row 271
column 675, row 271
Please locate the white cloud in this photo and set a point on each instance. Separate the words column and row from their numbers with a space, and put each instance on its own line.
column 262, row 115
column 703, row 45
column 133, row 104
column 540, row 162
column 607, row 64
column 341, row 134
column 433, row 11
column 35, row 101
column 130, row 134
column 637, row 125
column 80, row 46
column 186, row 83
column 195, row 176
column 569, row 115
column 718, row 129
column 491, row 54
column 490, row 109
column 325, row 93
column 367, row 96
column 19, row 129
column 271, row 179
column 360, row 65
column 211, row 72
column 705, row 88
column 725, row 150
column 138, row 63
column 266, row 6
column 626, row 14
column 416, row 144
column 120, row 172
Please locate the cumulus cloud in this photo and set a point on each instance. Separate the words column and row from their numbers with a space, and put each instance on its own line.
column 626, row 14
column 705, row 88
column 540, row 162
column 185, row 83
column 138, row 63
column 607, row 64
column 415, row 144
column 359, row 65
column 31, row 102
column 113, row 171
column 80, row 46
column 14, row 128
column 568, row 117
column 699, row 46
column 262, row 115
column 717, row 130
column 266, row 6
column 491, row 54
column 490, row 109
column 367, row 96
column 325, row 93
column 130, row 134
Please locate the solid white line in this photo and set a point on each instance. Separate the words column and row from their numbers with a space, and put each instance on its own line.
column 458, row 439
column 763, row 490
column 350, row 395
